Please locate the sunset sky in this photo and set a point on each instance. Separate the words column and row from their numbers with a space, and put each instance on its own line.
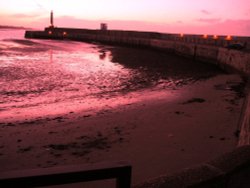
column 173, row 16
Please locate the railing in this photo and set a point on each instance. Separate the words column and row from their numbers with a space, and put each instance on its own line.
column 121, row 171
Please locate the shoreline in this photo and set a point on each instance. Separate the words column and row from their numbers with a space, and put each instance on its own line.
column 121, row 133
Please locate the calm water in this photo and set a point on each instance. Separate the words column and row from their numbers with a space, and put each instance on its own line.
column 42, row 77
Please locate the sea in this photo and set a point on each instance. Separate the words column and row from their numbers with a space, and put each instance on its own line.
column 41, row 78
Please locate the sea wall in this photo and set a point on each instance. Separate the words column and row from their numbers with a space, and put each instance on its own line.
column 233, row 58
column 213, row 49
column 244, row 124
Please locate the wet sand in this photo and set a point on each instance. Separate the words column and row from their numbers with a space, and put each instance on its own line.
column 163, row 132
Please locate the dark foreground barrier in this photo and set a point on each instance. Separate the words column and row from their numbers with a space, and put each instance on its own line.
column 68, row 174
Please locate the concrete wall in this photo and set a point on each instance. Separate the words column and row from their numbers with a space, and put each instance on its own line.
column 234, row 58
column 195, row 46
column 207, row 53
column 244, row 137
column 163, row 44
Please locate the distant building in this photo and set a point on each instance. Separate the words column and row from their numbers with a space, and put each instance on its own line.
column 104, row 26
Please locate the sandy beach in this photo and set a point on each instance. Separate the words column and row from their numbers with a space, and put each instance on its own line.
column 162, row 132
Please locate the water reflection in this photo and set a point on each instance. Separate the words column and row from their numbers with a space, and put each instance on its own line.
column 51, row 56
column 102, row 54
column 150, row 68
column 46, row 74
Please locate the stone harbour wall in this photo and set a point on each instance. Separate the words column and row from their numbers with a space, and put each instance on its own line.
column 213, row 49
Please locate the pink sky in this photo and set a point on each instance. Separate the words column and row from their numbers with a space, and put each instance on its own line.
column 177, row 16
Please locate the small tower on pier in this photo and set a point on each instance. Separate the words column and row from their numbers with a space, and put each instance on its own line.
column 51, row 19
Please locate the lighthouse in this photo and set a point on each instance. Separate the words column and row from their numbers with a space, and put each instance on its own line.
column 51, row 19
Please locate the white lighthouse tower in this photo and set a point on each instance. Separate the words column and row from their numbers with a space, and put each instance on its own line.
column 51, row 19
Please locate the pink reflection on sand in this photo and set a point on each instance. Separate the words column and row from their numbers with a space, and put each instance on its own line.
column 65, row 78
column 40, row 78
column 82, row 106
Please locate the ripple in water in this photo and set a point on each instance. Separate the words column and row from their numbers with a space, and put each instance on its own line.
column 51, row 77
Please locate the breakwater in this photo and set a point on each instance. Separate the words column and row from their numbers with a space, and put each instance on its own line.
column 225, row 51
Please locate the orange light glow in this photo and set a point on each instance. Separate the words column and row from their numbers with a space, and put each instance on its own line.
column 229, row 37
column 215, row 37
column 205, row 36
column 64, row 33
column 50, row 32
column 181, row 35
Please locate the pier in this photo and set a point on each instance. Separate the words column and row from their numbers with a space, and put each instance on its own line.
column 225, row 51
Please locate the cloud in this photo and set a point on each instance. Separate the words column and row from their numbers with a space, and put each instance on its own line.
column 39, row 5
column 242, row 26
column 179, row 22
column 206, row 12
column 226, row 27
column 248, row 29
column 25, row 15
column 247, row 12
column 209, row 20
